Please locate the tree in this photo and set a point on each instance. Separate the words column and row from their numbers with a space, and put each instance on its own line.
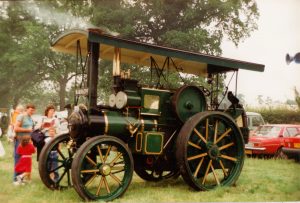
column 260, row 99
column 56, row 68
column 31, row 60
column 186, row 24
column 17, row 75
column 297, row 97
column 269, row 101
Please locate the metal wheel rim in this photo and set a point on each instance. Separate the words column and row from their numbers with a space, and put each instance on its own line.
column 213, row 159
column 55, row 163
column 103, row 190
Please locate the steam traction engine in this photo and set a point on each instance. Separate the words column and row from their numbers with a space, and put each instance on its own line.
column 158, row 133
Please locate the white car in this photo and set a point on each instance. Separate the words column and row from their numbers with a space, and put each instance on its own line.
column 254, row 120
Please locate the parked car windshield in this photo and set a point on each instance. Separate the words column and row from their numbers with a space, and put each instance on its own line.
column 268, row 131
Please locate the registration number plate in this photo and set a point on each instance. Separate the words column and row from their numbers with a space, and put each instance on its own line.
column 297, row 145
column 248, row 151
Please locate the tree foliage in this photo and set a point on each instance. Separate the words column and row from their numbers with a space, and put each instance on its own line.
column 16, row 71
column 187, row 24
column 28, row 62
column 297, row 97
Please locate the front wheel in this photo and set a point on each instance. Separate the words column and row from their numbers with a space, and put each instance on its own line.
column 210, row 151
column 102, row 169
column 55, row 162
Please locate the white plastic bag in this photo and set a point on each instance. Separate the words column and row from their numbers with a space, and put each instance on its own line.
column 2, row 151
column 10, row 133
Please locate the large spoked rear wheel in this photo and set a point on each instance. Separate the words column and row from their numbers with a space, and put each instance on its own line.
column 102, row 168
column 210, row 151
column 55, row 162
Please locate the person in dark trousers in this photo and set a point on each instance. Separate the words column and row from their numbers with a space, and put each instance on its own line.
column 23, row 127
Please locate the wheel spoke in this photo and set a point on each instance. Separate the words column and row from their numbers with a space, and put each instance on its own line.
column 197, row 156
column 56, row 168
column 90, row 171
column 223, row 168
column 90, row 179
column 216, row 131
column 117, row 168
column 69, row 152
column 206, row 129
column 107, row 152
column 226, row 146
column 100, row 185
column 90, row 160
column 106, row 185
column 198, row 167
column 115, row 172
column 228, row 157
column 64, row 173
column 194, row 145
column 199, row 134
column 115, row 159
column 69, row 177
column 206, row 173
column 223, row 135
column 120, row 162
column 100, row 154
column 115, row 178
column 215, row 175
column 61, row 154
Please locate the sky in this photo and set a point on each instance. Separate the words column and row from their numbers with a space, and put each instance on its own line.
column 278, row 34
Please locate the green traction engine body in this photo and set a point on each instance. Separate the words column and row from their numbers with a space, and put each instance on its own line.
column 149, row 120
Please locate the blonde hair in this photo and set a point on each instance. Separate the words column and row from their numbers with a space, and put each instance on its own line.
column 20, row 107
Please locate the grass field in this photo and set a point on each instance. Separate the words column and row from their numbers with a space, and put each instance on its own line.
column 261, row 180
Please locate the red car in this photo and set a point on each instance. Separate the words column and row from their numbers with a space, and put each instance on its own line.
column 292, row 147
column 270, row 139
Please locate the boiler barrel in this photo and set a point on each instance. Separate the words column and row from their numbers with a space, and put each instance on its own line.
column 117, row 124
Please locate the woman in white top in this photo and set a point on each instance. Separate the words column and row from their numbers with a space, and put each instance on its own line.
column 49, row 121
column 50, row 126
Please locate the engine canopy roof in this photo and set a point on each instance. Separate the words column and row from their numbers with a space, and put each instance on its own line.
column 133, row 52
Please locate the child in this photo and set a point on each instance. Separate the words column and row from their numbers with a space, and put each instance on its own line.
column 23, row 167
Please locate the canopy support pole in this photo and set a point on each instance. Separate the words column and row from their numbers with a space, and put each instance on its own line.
column 93, row 74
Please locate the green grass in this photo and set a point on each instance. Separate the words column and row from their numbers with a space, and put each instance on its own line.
column 261, row 180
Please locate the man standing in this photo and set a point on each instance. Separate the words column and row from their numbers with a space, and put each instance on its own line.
column 23, row 126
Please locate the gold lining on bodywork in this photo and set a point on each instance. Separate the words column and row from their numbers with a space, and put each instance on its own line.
column 161, row 147
column 142, row 125
column 140, row 143
column 155, row 124
column 106, row 123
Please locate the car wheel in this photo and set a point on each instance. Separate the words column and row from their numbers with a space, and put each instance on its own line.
column 280, row 154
